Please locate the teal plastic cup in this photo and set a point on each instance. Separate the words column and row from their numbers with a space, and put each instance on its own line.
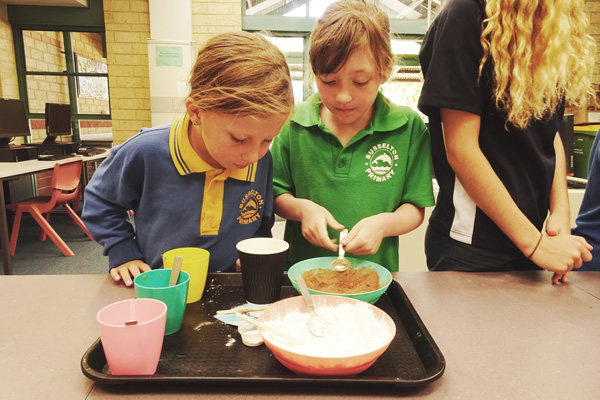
column 155, row 285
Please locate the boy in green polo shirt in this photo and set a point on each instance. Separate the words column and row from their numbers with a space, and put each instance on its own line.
column 349, row 157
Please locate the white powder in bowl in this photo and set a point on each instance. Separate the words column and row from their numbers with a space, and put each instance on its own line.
column 355, row 330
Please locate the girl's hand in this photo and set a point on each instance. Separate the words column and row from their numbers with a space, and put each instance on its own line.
column 365, row 237
column 126, row 272
column 560, row 254
column 315, row 219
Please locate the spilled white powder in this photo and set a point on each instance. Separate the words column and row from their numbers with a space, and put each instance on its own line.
column 354, row 329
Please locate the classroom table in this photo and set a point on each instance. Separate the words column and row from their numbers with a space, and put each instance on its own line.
column 12, row 170
column 503, row 336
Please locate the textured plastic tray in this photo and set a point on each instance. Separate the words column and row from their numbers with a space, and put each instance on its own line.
column 207, row 351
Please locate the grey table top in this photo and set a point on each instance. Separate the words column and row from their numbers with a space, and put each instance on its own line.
column 504, row 336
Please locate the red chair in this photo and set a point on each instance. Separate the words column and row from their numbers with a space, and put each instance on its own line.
column 65, row 189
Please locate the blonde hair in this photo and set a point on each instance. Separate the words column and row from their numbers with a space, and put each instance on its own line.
column 541, row 53
column 346, row 26
column 241, row 73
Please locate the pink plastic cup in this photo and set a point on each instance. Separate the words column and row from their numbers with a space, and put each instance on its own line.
column 132, row 333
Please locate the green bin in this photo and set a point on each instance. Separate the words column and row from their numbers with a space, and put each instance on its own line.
column 583, row 136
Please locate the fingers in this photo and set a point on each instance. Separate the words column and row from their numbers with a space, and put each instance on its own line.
column 556, row 277
column 356, row 243
column 349, row 237
column 585, row 250
column 363, row 249
column 134, row 270
column 334, row 224
column 330, row 244
column 319, row 236
column 114, row 273
column 146, row 268
column 125, row 274
column 561, row 254
column 128, row 271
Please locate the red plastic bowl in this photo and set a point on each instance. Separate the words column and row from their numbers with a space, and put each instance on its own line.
column 302, row 364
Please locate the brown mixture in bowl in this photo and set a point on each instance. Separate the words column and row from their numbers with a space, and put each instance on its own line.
column 354, row 280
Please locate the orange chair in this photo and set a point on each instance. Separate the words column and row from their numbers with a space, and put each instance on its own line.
column 65, row 189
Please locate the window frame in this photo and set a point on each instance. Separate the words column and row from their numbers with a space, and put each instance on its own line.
column 57, row 19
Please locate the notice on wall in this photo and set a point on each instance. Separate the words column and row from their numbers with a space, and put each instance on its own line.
column 169, row 56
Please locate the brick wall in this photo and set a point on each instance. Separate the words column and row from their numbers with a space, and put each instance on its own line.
column 8, row 73
column 593, row 8
column 127, row 26
column 212, row 17
column 127, row 30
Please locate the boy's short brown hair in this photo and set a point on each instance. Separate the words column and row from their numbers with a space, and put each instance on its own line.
column 346, row 26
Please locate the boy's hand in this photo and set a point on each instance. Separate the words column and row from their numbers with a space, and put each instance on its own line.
column 315, row 219
column 365, row 237
column 126, row 272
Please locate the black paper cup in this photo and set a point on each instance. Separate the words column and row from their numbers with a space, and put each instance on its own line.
column 263, row 263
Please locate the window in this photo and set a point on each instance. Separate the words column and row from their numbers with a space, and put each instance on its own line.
column 64, row 67
column 291, row 21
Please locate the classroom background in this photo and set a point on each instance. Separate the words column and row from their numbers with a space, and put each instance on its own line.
column 124, row 64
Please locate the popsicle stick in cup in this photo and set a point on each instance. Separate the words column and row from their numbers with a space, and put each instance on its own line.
column 175, row 270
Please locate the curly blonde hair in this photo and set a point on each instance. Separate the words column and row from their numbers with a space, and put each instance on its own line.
column 346, row 26
column 241, row 73
column 541, row 53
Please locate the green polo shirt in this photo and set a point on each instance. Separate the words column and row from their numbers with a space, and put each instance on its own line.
column 384, row 166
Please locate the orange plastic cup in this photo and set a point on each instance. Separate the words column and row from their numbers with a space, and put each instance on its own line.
column 195, row 263
column 132, row 333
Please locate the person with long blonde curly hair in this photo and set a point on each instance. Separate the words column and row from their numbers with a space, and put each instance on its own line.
column 532, row 77
column 497, row 76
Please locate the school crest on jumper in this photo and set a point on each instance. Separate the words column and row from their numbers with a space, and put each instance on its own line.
column 251, row 207
column 381, row 160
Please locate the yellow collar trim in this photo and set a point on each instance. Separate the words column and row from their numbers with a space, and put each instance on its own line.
column 187, row 161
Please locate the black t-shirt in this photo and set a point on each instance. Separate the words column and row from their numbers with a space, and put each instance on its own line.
column 524, row 160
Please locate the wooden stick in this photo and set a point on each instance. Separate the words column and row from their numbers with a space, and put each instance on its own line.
column 175, row 270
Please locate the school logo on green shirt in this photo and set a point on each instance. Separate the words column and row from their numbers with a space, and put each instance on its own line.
column 381, row 160
column 250, row 207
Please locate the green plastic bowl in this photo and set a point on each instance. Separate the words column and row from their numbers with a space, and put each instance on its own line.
column 385, row 277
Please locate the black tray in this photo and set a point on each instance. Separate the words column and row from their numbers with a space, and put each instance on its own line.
column 208, row 351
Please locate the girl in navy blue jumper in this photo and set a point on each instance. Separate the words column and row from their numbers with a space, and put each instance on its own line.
column 206, row 179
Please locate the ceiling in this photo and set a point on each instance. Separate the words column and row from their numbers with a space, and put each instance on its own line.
column 56, row 3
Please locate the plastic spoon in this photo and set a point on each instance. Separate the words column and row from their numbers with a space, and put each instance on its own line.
column 266, row 327
column 317, row 326
column 175, row 270
column 341, row 264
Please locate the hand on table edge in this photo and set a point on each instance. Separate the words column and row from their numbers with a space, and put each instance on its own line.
column 545, row 250
column 126, row 272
